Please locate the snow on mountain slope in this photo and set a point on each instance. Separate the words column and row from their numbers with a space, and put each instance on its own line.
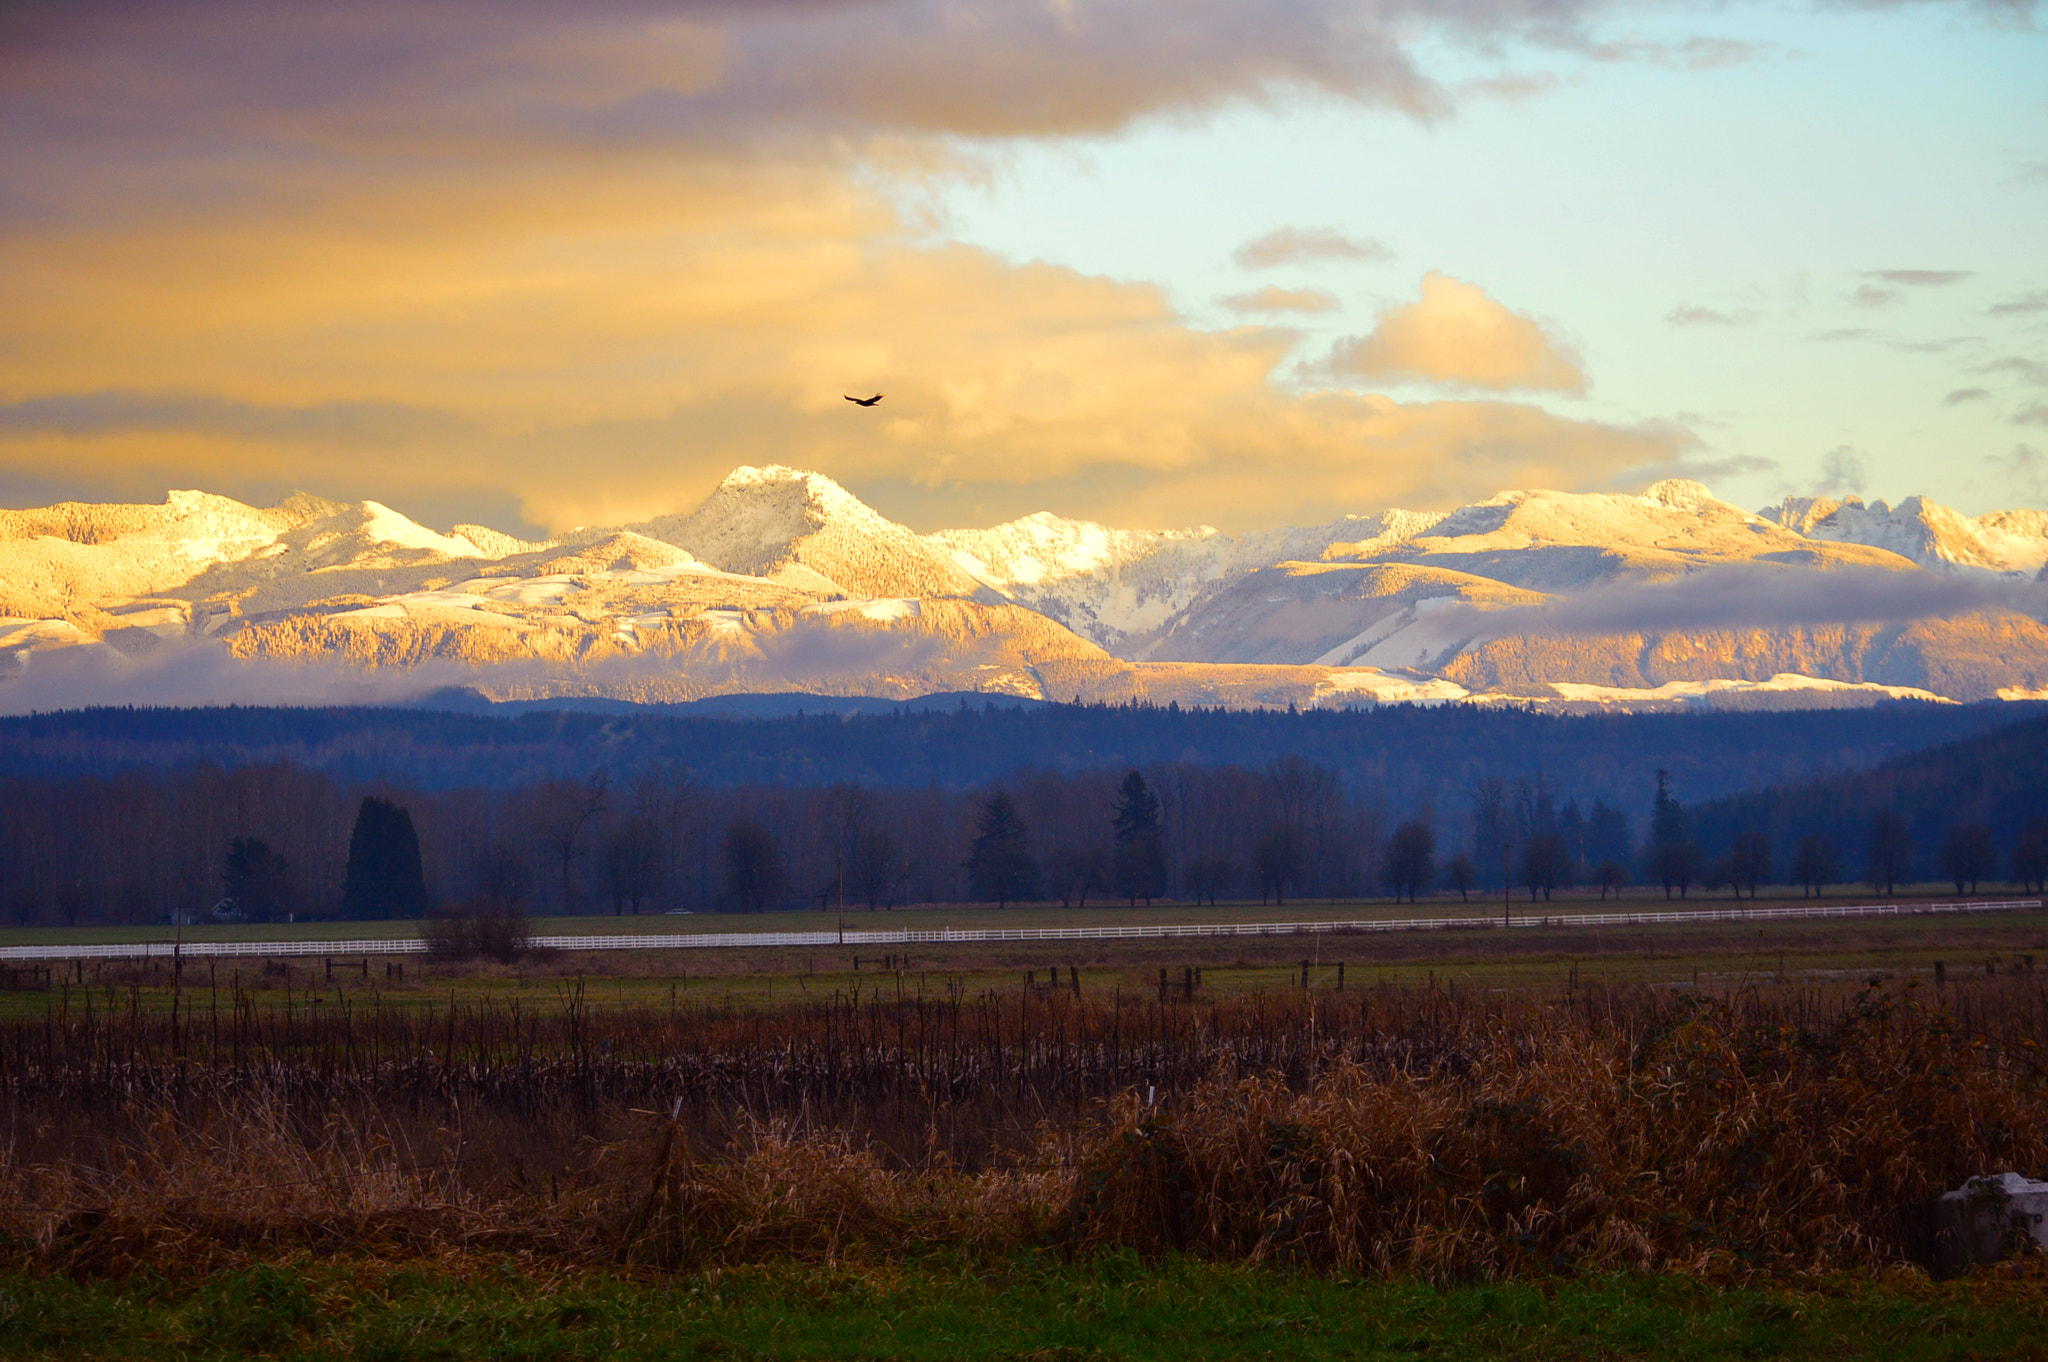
column 805, row 529
column 1971, row 657
column 784, row 580
column 1924, row 531
column 1329, row 613
column 1370, row 601
column 1115, row 585
column 64, row 560
column 1569, row 541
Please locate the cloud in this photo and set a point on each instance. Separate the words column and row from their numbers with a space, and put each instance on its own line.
column 2020, row 366
column 1841, row 472
column 1962, row 395
column 1760, row 595
column 2024, row 470
column 1457, row 334
column 1275, row 299
column 2035, row 414
column 1686, row 315
column 351, row 424
column 1697, row 53
column 639, row 73
column 2026, row 305
column 1512, row 86
column 204, row 672
column 1870, row 295
column 1297, row 245
column 574, row 263
column 1921, row 278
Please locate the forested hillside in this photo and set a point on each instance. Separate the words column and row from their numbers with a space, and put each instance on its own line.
column 1409, row 756
column 1996, row 782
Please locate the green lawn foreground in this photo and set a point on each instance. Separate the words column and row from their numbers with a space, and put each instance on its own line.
column 1034, row 1307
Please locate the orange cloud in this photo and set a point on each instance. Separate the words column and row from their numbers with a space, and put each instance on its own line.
column 1273, row 298
column 602, row 347
column 585, row 270
column 1457, row 334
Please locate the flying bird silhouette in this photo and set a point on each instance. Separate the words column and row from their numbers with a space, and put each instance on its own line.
column 863, row 401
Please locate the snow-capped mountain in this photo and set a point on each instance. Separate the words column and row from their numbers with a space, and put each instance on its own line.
column 1113, row 585
column 1927, row 532
column 1377, row 600
column 783, row 580
column 806, row 531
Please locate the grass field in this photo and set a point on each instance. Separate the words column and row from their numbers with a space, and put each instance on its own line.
column 1028, row 1306
column 931, row 917
column 1701, row 1140
column 1711, row 956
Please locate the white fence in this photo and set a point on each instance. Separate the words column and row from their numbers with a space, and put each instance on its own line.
column 693, row 941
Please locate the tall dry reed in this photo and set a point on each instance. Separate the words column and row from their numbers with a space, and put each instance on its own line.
column 1394, row 1130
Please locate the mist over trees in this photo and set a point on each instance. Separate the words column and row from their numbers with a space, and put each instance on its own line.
column 648, row 834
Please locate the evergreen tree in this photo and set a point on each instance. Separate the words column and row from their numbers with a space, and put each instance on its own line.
column 1140, row 866
column 1000, row 866
column 255, row 879
column 1674, row 858
column 384, row 878
column 1571, row 826
column 1607, row 835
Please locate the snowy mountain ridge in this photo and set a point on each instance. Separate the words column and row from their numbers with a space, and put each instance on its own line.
column 782, row 579
column 1927, row 532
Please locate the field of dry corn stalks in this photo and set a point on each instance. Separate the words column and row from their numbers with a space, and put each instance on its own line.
column 1778, row 1129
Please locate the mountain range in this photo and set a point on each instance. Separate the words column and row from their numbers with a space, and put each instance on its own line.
column 782, row 580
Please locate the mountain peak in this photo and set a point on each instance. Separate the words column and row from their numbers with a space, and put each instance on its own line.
column 795, row 525
column 816, row 489
column 1679, row 493
column 1925, row 531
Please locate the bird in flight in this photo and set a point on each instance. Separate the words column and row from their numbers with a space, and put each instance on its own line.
column 863, row 401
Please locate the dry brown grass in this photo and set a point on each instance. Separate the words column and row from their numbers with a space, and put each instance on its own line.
column 1399, row 1130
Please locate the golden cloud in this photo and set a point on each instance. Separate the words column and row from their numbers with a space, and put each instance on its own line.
column 604, row 348
column 1273, row 298
column 1457, row 334
column 443, row 273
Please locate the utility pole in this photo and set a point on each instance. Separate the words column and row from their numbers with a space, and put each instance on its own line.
column 840, row 862
column 1507, row 884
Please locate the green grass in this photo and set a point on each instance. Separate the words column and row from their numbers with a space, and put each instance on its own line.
column 1711, row 956
column 1029, row 1307
column 934, row 916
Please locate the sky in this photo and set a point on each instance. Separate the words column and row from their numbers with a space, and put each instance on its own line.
column 1149, row 262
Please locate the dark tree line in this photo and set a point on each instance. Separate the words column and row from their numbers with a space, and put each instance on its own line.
column 276, row 839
